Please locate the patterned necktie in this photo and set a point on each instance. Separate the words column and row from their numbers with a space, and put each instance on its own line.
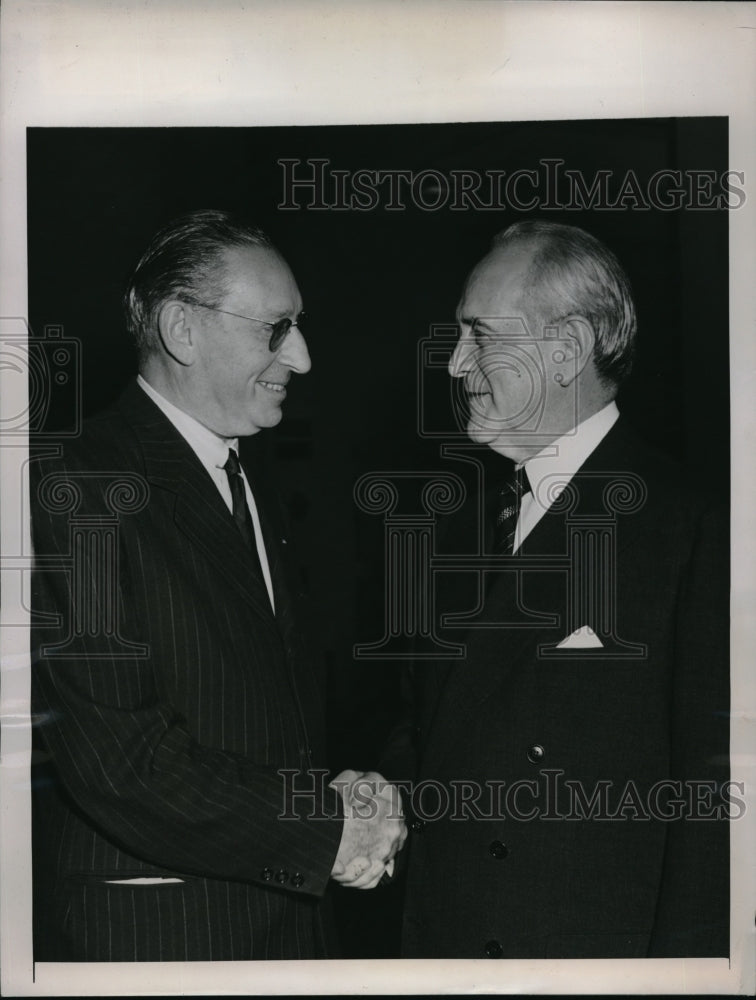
column 242, row 517
column 508, row 511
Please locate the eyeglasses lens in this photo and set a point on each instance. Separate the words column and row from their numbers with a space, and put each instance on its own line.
column 281, row 330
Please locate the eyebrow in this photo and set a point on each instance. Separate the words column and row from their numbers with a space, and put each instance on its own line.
column 284, row 314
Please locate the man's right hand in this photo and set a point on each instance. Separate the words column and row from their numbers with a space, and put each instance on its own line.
column 374, row 828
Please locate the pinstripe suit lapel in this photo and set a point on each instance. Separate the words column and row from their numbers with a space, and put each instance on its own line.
column 272, row 530
column 273, row 541
column 206, row 522
column 199, row 511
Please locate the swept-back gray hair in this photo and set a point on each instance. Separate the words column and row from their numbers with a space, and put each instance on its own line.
column 573, row 273
column 183, row 260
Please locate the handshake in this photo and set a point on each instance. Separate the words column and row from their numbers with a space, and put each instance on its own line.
column 374, row 829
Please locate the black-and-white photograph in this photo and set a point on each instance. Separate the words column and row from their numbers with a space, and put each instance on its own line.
column 378, row 565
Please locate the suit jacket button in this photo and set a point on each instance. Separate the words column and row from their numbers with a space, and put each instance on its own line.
column 266, row 874
column 536, row 753
column 297, row 880
column 417, row 825
column 282, row 877
column 498, row 850
column 494, row 949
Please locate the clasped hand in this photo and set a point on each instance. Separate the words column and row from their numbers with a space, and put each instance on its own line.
column 374, row 829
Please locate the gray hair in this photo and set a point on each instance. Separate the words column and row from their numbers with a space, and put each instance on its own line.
column 572, row 272
column 184, row 261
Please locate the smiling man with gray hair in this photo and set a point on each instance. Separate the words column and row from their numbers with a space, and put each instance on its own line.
column 185, row 812
column 569, row 773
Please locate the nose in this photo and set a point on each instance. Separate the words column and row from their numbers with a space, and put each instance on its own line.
column 294, row 353
column 459, row 362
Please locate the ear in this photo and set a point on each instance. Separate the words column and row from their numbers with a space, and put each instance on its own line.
column 176, row 326
column 576, row 343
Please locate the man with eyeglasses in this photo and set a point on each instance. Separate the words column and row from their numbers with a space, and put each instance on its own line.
column 575, row 755
column 185, row 812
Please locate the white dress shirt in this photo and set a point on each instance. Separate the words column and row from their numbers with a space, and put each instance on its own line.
column 212, row 451
column 559, row 461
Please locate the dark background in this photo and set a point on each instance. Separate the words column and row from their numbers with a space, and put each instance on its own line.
column 373, row 284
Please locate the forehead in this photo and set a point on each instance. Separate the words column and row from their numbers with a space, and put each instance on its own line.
column 259, row 275
column 494, row 287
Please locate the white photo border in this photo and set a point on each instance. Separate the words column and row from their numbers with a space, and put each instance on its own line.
column 101, row 63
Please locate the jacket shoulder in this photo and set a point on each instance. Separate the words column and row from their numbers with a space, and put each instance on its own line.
column 108, row 442
column 667, row 486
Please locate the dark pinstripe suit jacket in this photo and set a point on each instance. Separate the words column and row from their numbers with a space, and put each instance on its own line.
column 167, row 699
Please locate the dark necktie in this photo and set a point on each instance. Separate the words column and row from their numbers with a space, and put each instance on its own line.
column 242, row 517
column 508, row 511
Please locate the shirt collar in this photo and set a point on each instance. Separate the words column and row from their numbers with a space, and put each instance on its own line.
column 211, row 449
column 565, row 456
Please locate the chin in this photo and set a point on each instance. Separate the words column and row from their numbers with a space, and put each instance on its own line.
column 480, row 432
column 507, row 447
column 503, row 442
column 254, row 423
column 270, row 418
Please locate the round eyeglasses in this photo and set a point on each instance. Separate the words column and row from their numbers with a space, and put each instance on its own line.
column 279, row 329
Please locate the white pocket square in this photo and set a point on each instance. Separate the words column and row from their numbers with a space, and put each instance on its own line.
column 582, row 638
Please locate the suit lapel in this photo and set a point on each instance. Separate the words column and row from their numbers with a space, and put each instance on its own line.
column 206, row 523
column 494, row 654
column 272, row 532
column 198, row 508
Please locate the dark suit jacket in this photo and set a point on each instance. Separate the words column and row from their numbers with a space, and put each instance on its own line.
column 522, row 872
column 166, row 706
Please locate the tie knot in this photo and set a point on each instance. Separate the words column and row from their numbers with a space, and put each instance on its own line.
column 516, row 484
column 232, row 466
column 510, row 496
